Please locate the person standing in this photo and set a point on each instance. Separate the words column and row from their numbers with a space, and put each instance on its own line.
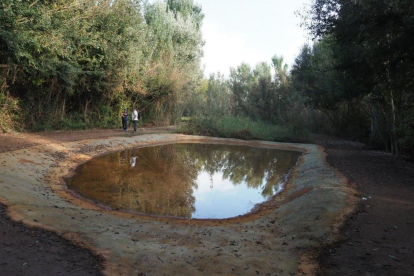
column 135, row 119
column 125, row 119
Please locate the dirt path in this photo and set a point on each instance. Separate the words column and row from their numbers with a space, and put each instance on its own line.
column 32, row 251
column 379, row 238
column 274, row 239
column 16, row 141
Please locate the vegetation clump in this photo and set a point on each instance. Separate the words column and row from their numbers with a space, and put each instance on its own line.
column 241, row 128
column 359, row 72
column 75, row 64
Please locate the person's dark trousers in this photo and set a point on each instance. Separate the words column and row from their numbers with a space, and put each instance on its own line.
column 124, row 124
column 135, row 126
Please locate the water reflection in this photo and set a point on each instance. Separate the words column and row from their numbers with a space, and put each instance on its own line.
column 185, row 180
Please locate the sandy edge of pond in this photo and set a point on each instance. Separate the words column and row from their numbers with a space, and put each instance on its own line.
column 278, row 239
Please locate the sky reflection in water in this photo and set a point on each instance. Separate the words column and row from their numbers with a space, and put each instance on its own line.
column 185, row 180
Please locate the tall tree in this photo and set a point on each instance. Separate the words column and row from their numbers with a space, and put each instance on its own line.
column 241, row 79
column 174, row 51
column 87, row 59
column 375, row 54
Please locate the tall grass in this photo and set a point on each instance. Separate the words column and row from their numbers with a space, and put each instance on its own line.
column 242, row 128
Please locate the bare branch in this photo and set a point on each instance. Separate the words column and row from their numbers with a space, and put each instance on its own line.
column 34, row 3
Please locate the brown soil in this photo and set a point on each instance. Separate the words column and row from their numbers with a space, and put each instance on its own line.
column 16, row 141
column 32, row 251
column 378, row 239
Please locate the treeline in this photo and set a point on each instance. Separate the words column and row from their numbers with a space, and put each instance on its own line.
column 77, row 63
column 262, row 94
column 360, row 73
column 355, row 81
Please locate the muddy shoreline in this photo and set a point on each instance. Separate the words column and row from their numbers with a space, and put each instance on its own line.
column 277, row 240
column 378, row 239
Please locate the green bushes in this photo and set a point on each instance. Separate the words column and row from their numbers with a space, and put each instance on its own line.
column 9, row 112
column 75, row 64
column 76, row 121
column 360, row 70
column 242, row 128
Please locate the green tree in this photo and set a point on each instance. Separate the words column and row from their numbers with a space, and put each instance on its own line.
column 241, row 79
column 85, row 60
column 173, row 54
column 375, row 56
column 218, row 95
column 261, row 94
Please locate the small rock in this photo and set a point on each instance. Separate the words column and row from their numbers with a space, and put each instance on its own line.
column 394, row 258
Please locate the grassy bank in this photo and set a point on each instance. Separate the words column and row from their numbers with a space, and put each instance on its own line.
column 243, row 128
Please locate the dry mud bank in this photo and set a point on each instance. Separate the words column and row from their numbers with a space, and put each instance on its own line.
column 276, row 240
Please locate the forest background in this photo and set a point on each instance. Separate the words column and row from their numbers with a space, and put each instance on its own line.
column 75, row 64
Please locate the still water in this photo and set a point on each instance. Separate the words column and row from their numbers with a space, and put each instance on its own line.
column 185, row 180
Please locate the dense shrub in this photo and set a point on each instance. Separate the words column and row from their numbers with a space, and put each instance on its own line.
column 241, row 128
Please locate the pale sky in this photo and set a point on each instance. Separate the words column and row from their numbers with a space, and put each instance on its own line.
column 250, row 31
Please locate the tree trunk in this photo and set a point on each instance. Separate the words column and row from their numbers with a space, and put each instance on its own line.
column 394, row 144
column 374, row 120
column 51, row 90
column 63, row 107
column 393, row 123
column 85, row 110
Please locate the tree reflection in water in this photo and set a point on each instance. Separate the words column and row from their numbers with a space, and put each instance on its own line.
column 161, row 180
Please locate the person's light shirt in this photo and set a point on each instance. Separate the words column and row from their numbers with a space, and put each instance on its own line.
column 135, row 115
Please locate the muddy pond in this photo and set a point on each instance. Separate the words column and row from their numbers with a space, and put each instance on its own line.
column 197, row 181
